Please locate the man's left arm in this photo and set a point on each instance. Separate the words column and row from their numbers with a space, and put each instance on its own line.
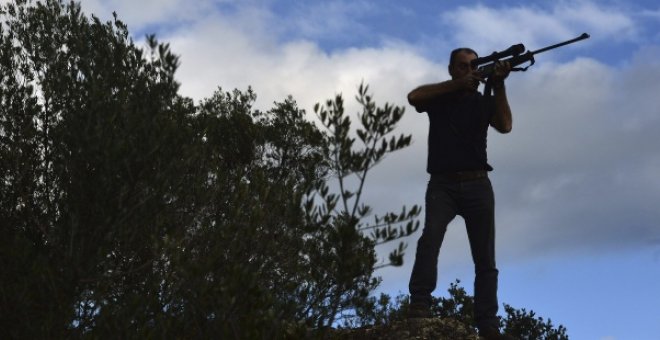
column 502, row 120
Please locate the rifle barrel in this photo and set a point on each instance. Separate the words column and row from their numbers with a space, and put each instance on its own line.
column 581, row 37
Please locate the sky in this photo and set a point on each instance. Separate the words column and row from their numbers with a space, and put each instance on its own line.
column 576, row 181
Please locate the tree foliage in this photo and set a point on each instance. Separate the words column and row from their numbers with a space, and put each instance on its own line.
column 459, row 306
column 128, row 210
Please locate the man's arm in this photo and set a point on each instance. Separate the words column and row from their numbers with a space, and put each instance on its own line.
column 502, row 120
column 425, row 93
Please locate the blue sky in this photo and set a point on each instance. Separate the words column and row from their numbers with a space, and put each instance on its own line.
column 576, row 182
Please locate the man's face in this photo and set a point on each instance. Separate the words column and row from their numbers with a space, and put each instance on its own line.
column 461, row 66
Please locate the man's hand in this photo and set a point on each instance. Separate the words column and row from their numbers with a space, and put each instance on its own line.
column 469, row 82
column 501, row 120
column 501, row 71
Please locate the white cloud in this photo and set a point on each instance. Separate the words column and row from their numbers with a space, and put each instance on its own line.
column 654, row 14
column 583, row 130
column 486, row 28
column 483, row 27
column 610, row 23
column 577, row 165
column 137, row 14
column 217, row 52
column 577, row 172
column 328, row 19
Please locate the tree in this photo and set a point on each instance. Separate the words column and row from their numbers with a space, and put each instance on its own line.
column 92, row 135
column 347, row 247
column 128, row 210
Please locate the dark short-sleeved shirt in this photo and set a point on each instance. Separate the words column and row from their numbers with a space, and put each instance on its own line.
column 458, row 127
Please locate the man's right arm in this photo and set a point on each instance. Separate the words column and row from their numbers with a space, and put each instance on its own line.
column 422, row 95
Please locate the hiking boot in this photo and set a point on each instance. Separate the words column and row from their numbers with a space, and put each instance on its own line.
column 494, row 334
column 419, row 310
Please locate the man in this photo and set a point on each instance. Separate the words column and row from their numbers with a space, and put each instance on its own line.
column 459, row 117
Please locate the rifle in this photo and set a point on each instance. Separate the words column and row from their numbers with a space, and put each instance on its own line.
column 486, row 65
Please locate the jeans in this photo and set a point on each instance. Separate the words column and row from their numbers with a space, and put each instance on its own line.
column 474, row 201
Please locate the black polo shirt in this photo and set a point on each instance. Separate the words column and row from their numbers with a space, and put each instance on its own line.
column 458, row 126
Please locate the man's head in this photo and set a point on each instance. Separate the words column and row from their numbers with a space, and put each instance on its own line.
column 459, row 62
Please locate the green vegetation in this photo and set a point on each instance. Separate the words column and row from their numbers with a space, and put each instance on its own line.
column 458, row 305
column 127, row 209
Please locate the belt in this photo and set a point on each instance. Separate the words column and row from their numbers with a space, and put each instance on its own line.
column 463, row 176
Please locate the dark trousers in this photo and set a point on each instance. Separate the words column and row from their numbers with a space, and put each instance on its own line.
column 474, row 201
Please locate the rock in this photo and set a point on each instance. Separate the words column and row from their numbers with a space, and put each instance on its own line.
column 410, row 329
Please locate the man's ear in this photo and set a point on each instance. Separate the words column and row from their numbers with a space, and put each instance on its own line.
column 450, row 70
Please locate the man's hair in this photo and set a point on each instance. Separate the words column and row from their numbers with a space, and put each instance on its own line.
column 453, row 54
